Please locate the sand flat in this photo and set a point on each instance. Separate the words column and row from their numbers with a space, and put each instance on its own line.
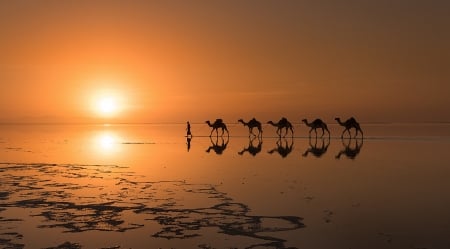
column 130, row 187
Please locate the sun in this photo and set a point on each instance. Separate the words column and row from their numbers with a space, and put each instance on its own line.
column 107, row 105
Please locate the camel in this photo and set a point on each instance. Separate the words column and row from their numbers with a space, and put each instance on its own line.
column 317, row 124
column 253, row 123
column 316, row 150
column 348, row 124
column 282, row 150
column 216, row 125
column 283, row 123
column 252, row 149
column 218, row 148
column 349, row 151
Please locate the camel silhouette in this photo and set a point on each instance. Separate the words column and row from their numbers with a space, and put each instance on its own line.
column 282, row 149
column 253, row 123
column 218, row 148
column 283, row 123
column 251, row 148
column 316, row 150
column 216, row 125
column 317, row 124
column 351, row 151
column 349, row 124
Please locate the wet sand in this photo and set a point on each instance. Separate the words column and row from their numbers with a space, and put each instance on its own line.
column 140, row 187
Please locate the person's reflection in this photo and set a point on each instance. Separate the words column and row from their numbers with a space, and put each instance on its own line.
column 316, row 150
column 216, row 146
column 352, row 147
column 251, row 148
column 283, row 147
column 188, row 142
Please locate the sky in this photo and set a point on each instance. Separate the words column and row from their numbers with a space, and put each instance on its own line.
column 172, row 61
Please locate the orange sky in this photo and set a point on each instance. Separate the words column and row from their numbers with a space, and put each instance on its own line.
column 172, row 61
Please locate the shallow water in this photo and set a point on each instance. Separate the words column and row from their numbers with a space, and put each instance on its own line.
column 142, row 186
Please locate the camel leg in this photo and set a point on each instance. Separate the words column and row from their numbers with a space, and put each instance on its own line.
column 349, row 133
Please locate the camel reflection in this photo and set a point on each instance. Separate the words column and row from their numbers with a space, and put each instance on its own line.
column 283, row 147
column 218, row 147
column 316, row 150
column 251, row 148
column 352, row 147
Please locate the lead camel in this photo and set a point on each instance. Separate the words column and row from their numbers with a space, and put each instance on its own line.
column 218, row 124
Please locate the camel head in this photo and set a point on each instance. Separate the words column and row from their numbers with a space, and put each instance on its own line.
column 207, row 121
column 305, row 121
column 241, row 120
column 337, row 119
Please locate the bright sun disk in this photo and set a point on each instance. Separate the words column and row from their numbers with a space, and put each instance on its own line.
column 107, row 106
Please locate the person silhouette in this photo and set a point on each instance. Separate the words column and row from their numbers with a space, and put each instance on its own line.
column 188, row 129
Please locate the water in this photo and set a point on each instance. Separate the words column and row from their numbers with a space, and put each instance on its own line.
column 138, row 186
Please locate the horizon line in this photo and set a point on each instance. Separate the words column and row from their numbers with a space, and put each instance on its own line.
column 193, row 122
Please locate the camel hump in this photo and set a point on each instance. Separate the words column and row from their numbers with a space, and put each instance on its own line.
column 219, row 120
column 352, row 119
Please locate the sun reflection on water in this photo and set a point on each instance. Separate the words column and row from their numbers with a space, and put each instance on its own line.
column 106, row 142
